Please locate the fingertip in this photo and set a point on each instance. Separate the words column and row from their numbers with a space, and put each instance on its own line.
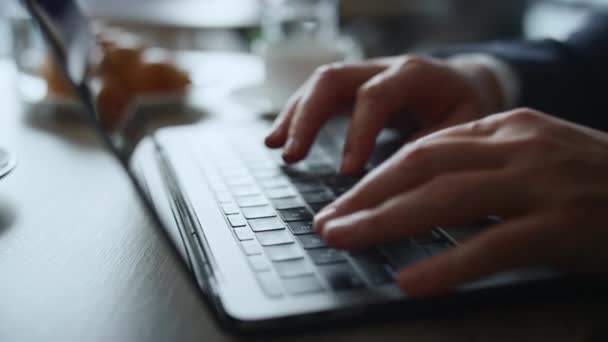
column 294, row 150
column 410, row 282
column 273, row 141
column 344, row 232
column 418, row 281
column 335, row 233
column 351, row 165
column 290, row 157
column 321, row 218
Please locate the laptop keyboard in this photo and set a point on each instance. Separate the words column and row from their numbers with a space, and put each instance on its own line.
column 269, row 208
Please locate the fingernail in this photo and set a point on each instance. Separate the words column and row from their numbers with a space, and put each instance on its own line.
column 269, row 140
column 322, row 217
column 291, row 148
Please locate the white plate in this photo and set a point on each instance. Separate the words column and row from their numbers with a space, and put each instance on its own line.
column 256, row 97
column 70, row 109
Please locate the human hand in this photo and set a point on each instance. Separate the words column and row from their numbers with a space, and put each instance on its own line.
column 401, row 92
column 547, row 179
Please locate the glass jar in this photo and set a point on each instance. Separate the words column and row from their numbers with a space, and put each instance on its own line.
column 28, row 53
column 289, row 20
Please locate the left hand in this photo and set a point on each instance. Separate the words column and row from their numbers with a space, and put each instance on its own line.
column 547, row 179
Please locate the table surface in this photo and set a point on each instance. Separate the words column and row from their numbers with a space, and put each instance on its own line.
column 79, row 260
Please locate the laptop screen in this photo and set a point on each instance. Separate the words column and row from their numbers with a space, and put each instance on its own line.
column 98, row 81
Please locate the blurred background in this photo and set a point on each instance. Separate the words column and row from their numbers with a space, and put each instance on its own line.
column 362, row 28
column 382, row 27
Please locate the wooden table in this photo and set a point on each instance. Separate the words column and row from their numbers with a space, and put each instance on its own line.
column 80, row 262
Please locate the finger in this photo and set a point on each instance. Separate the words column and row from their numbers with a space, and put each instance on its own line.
column 278, row 134
column 377, row 100
column 456, row 127
column 451, row 200
column 458, row 123
column 410, row 85
column 328, row 90
column 507, row 246
column 413, row 165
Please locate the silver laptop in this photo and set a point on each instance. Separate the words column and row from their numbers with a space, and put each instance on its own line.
column 241, row 220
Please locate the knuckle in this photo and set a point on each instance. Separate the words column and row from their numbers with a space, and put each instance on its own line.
column 370, row 92
column 328, row 72
column 480, row 127
column 541, row 142
column 416, row 155
column 414, row 61
column 523, row 115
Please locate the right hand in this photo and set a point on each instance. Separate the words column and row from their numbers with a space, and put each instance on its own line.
column 400, row 92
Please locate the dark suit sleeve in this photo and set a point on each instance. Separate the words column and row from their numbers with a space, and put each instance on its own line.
column 567, row 79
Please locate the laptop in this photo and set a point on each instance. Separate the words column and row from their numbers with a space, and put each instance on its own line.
column 241, row 220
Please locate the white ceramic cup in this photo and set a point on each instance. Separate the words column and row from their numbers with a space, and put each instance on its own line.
column 289, row 64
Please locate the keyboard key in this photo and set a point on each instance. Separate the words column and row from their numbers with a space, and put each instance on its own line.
column 342, row 182
column 296, row 171
column 274, row 183
column 295, row 214
column 228, row 162
column 237, row 220
column 224, row 196
column 322, row 169
column 341, row 185
column 286, row 203
column 254, row 157
column 293, row 268
column 284, row 252
column 318, row 197
column 300, row 227
column 262, row 165
column 283, row 192
column 317, row 207
column 251, row 201
column 341, row 276
column 322, row 256
column 274, row 237
column 251, row 247
column 375, row 268
column 428, row 238
column 250, row 190
column 240, row 181
column 316, row 155
column 244, row 233
column 219, row 186
column 240, row 172
column 303, row 285
column 270, row 284
column 265, row 224
column 230, row 208
column 436, row 248
column 309, row 186
column 267, row 174
column 259, row 263
column 258, row 212
column 403, row 254
column 310, row 241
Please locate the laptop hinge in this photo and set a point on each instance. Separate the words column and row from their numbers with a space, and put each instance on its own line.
column 188, row 225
